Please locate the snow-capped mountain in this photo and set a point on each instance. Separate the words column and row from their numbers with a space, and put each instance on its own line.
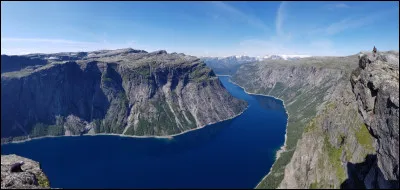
column 239, row 59
column 230, row 59
column 284, row 57
column 229, row 64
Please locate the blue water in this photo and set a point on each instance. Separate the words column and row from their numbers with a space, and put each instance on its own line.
column 235, row 153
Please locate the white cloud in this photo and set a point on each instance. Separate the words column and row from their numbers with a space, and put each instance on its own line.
column 42, row 40
column 334, row 6
column 12, row 46
column 352, row 23
column 319, row 47
column 341, row 5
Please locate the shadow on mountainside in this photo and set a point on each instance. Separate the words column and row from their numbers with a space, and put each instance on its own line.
column 15, row 63
column 367, row 175
column 61, row 90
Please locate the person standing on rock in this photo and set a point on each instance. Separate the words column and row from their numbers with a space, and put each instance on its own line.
column 374, row 51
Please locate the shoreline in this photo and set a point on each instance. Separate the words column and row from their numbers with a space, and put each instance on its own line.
column 283, row 147
column 170, row 137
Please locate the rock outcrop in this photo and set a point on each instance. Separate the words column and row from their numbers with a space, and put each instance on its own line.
column 343, row 120
column 332, row 140
column 31, row 177
column 126, row 91
column 376, row 86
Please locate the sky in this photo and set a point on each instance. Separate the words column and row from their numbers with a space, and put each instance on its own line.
column 208, row 28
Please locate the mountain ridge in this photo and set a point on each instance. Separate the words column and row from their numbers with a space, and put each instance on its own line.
column 126, row 91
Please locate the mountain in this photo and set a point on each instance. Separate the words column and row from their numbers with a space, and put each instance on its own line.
column 229, row 65
column 343, row 119
column 283, row 57
column 125, row 91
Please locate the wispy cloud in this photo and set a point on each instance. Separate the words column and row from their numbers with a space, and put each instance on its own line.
column 251, row 20
column 280, row 17
column 352, row 23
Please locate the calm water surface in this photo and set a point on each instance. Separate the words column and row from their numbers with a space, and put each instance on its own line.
column 236, row 153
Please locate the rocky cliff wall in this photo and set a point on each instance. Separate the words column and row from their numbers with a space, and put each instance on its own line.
column 127, row 92
column 334, row 134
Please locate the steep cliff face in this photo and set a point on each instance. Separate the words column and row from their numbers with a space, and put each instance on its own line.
column 353, row 142
column 304, row 85
column 123, row 91
column 31, row 177
column 330, row 142
column 376, row 87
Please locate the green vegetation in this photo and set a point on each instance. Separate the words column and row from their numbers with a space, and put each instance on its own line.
column 123, row 100
column 334, row 155
column 311, row 126
column 314, row 185
column 301, row 111
column 144, row 128
column 107, row 79
column 276, row 174
column 348, row 154
column 180, row 114
column 55, row 130
column 11, row 139
column 20, row 138
column 165, row 120
column 200, row 73
column 39, row 130
column 144, row 71
column 364, row 138
column 43, row 181
column 97, row 124
column 115, row 125
column 278, row 88
column 330, row 106
column 104, row 128
column 130, row 131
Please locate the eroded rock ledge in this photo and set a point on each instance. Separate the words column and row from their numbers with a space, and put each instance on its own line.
column 31, row 177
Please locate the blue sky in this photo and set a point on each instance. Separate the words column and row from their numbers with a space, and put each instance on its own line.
column 201, row 28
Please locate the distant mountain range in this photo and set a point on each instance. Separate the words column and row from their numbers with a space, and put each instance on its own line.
column 229, row 65
column 244, row 58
